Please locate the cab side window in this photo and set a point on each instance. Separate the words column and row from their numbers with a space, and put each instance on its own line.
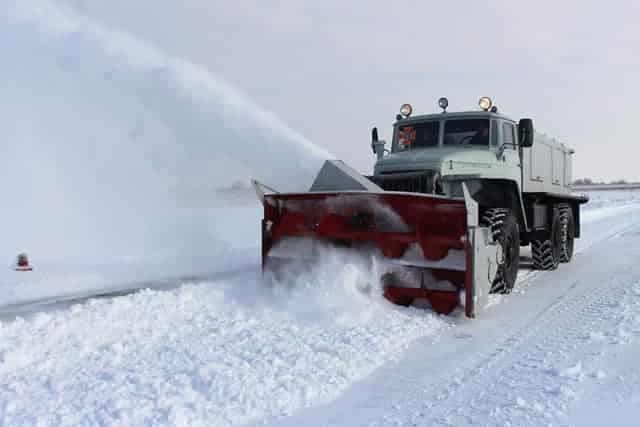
column 508, row 135
column 495, row 141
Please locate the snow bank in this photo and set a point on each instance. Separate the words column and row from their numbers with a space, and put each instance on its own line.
column 112, row 151
column 604, row 204
column 213, row 354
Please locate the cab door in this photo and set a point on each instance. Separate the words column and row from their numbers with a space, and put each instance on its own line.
column 510, row 157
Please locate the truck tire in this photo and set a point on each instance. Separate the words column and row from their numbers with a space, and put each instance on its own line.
column 567, row 232
column 505, row 231
column 546, row 253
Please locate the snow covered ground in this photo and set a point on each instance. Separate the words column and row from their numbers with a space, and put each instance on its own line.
column 219, row 353
column 126, row 183
column 330, row 351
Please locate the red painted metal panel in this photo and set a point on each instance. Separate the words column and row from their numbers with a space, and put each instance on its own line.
column 391, row 220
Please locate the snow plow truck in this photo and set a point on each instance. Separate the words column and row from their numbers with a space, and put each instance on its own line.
column 448, row 206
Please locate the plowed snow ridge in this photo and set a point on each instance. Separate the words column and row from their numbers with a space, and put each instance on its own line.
column 206, row 354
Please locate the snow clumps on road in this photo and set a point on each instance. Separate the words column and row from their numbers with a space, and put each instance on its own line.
column 204, row 354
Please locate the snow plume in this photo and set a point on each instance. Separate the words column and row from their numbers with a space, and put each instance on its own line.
column 338, row 284
column 112, row 149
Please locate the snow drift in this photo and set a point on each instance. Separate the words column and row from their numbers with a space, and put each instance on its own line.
column 112, row 151
column 220, row 354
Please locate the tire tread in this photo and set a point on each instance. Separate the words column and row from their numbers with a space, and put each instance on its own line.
column 494, row 219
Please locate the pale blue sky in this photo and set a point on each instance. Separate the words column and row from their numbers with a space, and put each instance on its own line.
column 332, row 69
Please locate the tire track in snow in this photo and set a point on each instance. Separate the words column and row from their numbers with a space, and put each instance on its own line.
column 505, row 388
column 523, row 354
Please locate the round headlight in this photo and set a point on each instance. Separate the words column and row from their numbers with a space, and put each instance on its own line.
column 443, row 103
column 406, row 110
column 485, row 103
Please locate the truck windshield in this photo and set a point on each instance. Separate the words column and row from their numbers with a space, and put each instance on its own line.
column 466, row 132
column 417, row 135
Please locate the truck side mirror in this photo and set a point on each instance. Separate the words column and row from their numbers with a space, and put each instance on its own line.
column 377, row 145
column 374, row 139
column 525, row 132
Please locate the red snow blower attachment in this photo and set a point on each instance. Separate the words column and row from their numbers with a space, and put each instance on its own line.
column 434, row 247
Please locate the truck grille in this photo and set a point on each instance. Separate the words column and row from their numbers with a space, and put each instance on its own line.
column 411, row 182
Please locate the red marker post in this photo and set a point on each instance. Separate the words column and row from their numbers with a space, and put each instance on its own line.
column 22, row 263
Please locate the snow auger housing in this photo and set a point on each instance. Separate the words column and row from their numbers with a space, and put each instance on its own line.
column 449, row 206
column 435, row 247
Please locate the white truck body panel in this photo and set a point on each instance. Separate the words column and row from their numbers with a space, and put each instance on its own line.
column 546, row 166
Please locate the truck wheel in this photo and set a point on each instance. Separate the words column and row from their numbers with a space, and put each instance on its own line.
column 546, row 253
column 505, row 231
column 567, row 232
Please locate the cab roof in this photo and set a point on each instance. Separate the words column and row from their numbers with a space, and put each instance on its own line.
column 456, row 115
